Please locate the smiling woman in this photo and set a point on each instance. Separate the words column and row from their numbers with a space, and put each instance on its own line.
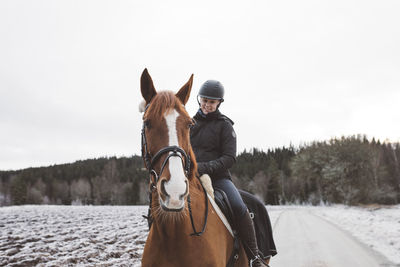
column 211, row 95
column 208, row 105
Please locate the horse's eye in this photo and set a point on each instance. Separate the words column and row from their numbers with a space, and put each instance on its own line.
column 147, row 124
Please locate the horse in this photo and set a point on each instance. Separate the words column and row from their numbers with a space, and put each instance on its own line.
column 185, row 229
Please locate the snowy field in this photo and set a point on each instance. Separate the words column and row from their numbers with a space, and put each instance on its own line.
column 72, row 235
column 115, row 235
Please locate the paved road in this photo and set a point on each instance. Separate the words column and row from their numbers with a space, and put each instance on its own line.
column 305, row 240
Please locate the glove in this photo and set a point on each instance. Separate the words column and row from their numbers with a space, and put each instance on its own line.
column 202, row 168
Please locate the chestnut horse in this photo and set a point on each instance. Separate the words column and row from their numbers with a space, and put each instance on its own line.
column 185, row 230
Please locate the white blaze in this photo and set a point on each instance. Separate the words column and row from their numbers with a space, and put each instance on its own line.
column 176, row 186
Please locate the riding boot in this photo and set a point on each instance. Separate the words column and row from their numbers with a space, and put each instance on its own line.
column 248, row 237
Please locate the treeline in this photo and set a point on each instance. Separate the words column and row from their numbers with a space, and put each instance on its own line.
column 350, row 170
column 103, row 181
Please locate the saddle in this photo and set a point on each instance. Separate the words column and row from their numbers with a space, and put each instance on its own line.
column 258, row 213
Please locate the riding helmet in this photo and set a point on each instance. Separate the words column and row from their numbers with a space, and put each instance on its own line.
column 213, row 90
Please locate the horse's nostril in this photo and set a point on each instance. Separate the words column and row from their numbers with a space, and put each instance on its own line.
column 163, row 188
column 186, row 191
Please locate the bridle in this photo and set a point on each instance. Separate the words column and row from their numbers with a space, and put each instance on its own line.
column 150, row 161
column 174, row 151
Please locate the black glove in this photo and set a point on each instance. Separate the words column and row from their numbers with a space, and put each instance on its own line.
column 202, row 168
column 208, row 167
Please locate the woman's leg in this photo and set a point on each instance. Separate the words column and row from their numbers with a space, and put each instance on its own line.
column 243, row 220
column 236, row 201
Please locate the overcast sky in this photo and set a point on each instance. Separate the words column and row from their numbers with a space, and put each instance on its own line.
column 293, row 71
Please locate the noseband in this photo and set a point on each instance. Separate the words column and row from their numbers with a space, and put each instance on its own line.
column 174, row 151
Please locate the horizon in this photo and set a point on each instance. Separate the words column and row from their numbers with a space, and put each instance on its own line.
column 245, row 150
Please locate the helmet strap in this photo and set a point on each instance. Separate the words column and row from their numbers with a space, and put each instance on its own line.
column 220, row 102
column 198, row 101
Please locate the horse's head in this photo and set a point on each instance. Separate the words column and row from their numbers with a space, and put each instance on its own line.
column 166, row 143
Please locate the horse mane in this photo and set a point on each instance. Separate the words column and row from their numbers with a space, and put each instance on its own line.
column 164, row 102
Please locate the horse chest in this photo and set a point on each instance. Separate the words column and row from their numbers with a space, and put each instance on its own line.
column 178, row 249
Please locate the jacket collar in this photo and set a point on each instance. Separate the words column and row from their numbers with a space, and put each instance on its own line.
column 207, row 117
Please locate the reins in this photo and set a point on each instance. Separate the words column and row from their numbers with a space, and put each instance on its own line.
column 174, row 151
column 205, row 215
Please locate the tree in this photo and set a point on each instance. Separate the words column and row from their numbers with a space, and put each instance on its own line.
column 18, row 190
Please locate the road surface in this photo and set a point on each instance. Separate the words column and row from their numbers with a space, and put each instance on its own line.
column 306, row 240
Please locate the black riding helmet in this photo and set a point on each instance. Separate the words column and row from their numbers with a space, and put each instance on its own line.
column 212, row 89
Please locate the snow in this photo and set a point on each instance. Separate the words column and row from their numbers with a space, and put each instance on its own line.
column 115, row 235
column 376, row 226
column 72, row 235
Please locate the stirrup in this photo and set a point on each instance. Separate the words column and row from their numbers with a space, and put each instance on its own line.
column 257, row 258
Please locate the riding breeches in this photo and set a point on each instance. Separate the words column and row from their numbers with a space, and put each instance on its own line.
column 236, row 201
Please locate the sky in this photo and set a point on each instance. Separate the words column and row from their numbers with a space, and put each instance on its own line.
column 293, row 71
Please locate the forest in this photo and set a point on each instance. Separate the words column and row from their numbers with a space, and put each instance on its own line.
column 348, row 170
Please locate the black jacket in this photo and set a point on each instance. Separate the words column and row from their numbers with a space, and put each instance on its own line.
column 214, row 143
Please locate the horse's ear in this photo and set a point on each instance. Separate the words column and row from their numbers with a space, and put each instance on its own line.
column 147, row 86
column 184, row 92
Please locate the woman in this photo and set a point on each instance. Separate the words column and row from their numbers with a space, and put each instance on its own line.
column 214, row 143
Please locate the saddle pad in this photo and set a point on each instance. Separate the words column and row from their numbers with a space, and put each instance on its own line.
column 220, row 214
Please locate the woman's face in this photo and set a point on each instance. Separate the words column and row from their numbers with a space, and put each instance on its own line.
column 208, row 105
